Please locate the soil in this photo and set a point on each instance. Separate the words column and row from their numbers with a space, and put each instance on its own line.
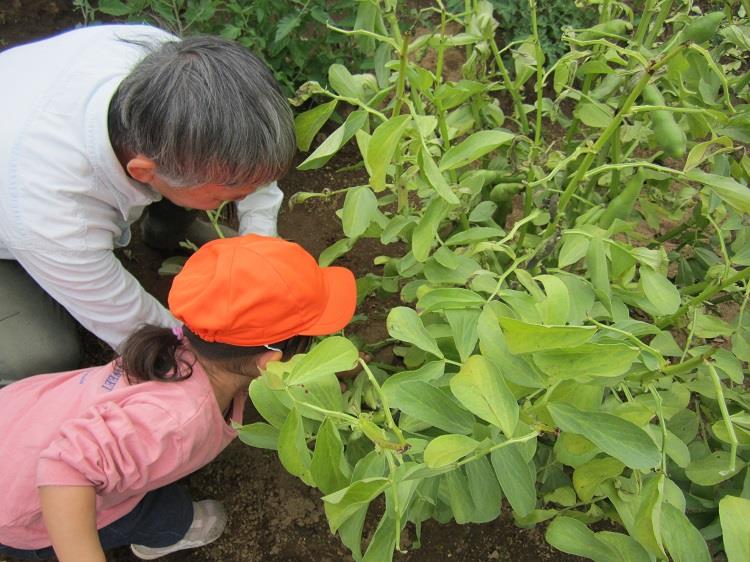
column 274, row 517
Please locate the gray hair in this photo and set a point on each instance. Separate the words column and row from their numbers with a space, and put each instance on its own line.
column 206, row 110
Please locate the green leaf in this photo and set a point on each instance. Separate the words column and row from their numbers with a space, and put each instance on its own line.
column 360, row 208
column 268, row 402
column 517, row 479
column 587, row 360
column 713, row 469
column 447, row 449
column 335, row 141
column 474, row 147
column 343, row 82
column 332, row 355
column 335, row 251
column 435, row 177
column 383, row 542
column 681, row 539
column 574, row 248
column 427, row 372
column 285, row 26
column 627, row 547
column 293, row 452
column 493, row 346
column 404, row 324
column 598, row 270
column 341, row 505
column 432, row 405
column 484, row 489
column 615, row 436
column 114, row 8
column 426, row 229
column 309, row 123
column 259, row 434
column 574, row 537
column 555, row 308
column 382, row 147
column 588, row 476
column 449, row 299
column 659, row 291
column 734, row 513
column 463, row 325
column 523, row 337
column 647, row 523
column 594, row 114
column 482, row 390
column 728, row 189
column 329, row 467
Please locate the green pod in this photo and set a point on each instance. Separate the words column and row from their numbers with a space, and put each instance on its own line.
column 702, row 28
column 668, row 134
column 611, row 27
column 504, row 192
column 622, row 205
column 607, row 86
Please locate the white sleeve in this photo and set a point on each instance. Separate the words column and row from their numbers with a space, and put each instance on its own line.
column 258, row 211
column 97, row 291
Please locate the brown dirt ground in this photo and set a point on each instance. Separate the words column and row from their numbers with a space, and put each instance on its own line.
column 274, row 517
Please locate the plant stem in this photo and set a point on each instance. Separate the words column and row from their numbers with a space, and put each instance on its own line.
column 485, row 452
column 510, row 87
column 663, row 425
column 706, row 294
column 403, row 59
column 653, row 33
column 384, row 401
column 689, row 365
column 725, row 415
column 606, row 134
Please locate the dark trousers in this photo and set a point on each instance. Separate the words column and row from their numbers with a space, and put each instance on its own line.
column 160, row 519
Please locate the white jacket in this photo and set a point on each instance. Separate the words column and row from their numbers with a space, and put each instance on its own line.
column 65, row 200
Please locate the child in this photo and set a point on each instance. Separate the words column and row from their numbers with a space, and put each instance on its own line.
column 89, row 458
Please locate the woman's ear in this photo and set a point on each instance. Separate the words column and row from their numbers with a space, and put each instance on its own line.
column 266, row 357
column 141, row 168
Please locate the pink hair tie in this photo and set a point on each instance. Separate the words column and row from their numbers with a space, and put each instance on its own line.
column 177, row 331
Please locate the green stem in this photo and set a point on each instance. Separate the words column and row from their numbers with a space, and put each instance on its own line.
column 606, row 134
column 706, row 294
column 653, row 33
column 384, row 401
column 663, row 425
column 403, row 59
column 396, row 499
column 646, row 14
column 485, row 452
column 725, row 415
column 689, row 365
column 510, row 86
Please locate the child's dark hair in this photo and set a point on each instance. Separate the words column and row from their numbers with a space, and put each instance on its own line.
column 150, row 354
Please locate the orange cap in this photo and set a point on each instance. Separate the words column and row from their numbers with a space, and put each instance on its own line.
column 256, row 290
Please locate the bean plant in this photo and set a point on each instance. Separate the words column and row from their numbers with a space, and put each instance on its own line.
column 569, row 246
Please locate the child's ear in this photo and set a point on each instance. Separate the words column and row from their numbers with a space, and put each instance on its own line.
column 266, row 357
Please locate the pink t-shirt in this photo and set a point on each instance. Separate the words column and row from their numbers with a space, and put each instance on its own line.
column 90, row 427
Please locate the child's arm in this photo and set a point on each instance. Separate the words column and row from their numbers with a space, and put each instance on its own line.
column 69, row 513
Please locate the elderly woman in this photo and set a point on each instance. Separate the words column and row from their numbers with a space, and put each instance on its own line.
column 98, row 124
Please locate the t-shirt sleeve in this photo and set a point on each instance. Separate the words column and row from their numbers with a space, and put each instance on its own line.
column 113, row 448
column 259, row 210
column 97, row 291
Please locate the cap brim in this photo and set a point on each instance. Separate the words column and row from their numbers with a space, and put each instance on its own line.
column 341, row 288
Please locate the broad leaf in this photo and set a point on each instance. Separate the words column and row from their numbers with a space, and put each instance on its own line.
column 382, row 146
column 404, row 324
column 728, row 189
column 587, row 360
column 734, row 513
column 681, row 539
column 473, row 148
column 341, row 505
column 329, row 467
column 574, row 537
column 332, row 355
column 588, row 476
column 360, row 208
column 259, row 434
column 615, row 436
column 293, row 452
column 659, row 291
column 335, row 141
column 523, row 337
column 516, row 477
column 432, row 405
column 447, row 449
column 482, row 390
